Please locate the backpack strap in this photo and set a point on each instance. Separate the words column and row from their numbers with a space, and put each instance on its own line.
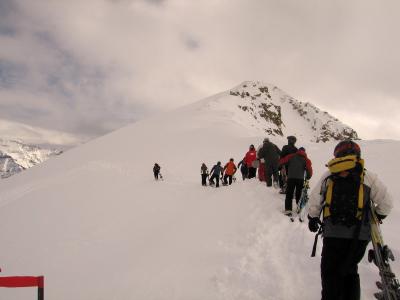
column 328, row 197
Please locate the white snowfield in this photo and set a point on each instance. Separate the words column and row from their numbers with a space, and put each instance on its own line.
column 97, row 225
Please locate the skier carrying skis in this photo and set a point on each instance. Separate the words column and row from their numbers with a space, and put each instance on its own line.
column 344, row 195
column 269, row 152
column 204, row 174
column 215, row 173
column 297, row 165
column 230, row 170
column 251, row 156
column 156, row 170
column 290, row 148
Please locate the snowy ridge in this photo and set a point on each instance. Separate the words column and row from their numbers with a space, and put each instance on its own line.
column 96, row 216
column 272, row 110
column 16, row 156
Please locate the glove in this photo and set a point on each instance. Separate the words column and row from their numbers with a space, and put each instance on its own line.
column 380, row 217
column 313, row 224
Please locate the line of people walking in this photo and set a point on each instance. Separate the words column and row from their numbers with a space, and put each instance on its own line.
column 337, row 208
column 286, row 168
column 226, row 173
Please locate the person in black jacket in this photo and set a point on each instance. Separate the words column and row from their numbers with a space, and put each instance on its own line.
column 243, row 168
column 290, row 148
column 269, row 152
column 204, row 174
column 156, row 170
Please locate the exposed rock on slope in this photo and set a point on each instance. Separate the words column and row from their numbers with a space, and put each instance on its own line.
column 272, row 110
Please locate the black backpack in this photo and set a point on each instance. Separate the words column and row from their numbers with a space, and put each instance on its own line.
column 344, row 196
column 344, row 202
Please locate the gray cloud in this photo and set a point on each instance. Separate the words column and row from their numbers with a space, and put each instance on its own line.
column 157, row 2
column 96, row 65
column 191, row 43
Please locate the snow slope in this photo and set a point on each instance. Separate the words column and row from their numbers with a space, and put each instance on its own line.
column 98, row 226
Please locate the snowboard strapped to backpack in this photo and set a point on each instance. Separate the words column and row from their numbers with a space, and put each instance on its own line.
column 344, row 195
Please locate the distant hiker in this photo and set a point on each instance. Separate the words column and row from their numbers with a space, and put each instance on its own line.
column 290, row 148
column 298, row 166
column 269, row 153
column 204, row 174
column 230, row 170
column 251, row 156
column 243, row 169
column 344, row 195
column 156, row 171
column 216, row 173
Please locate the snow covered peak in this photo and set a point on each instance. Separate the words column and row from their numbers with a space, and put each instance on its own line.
column 16, row 156
column 274, row 112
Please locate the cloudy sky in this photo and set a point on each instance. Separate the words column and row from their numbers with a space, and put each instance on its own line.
column 88, row 67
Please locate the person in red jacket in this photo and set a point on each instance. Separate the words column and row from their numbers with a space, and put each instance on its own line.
column 251, row 156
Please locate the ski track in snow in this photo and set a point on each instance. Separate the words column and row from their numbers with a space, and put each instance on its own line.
column 266, row 253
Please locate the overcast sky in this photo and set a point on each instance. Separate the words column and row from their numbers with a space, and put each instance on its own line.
column 88, row 67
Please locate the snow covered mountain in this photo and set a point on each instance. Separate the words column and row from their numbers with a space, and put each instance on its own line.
column 264, row 107
column 97, row 226
column 278, row 114
column 23, row 146
column 16, row 156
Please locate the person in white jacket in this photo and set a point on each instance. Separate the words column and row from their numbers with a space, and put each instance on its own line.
column 343, row 198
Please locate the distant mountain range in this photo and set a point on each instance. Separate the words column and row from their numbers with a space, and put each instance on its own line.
column 23, row 146
column 16, row 156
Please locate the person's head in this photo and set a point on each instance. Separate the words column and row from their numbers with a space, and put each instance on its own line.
column 251, row 147
column 266, row 140
column 347, row 147
column 219, row 163
column 291, row 139
column 231, row 159
column 302, row 149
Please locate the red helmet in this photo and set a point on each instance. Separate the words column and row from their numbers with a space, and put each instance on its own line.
column 347, row 147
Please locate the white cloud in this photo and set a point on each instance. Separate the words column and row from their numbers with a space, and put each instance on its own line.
column 95, row 65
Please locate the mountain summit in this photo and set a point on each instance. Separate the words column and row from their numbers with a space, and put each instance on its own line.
column 278, row 114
